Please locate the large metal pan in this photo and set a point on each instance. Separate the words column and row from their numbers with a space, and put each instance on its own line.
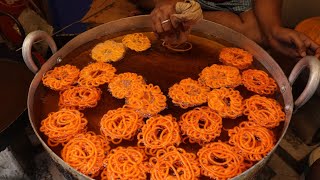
column 207, row 28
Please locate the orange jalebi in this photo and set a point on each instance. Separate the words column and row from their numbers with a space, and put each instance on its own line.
column 226, row 102
column 80, row 97
column 125, row 164
column 136, row 41
column 258, row 81
column 188, row 93
column 85, row 153
column 147, row 100
column 60, row 78
column 122, row 85
column 174, row 163
column 219, row 161
column 264, row 111
column 108, row 51
column 119, row 124
column 201, row 125
column 252, row 141
column 96, row 74
column 236, row 57
column 217, row 76
column 159, row 132
column 62, row 125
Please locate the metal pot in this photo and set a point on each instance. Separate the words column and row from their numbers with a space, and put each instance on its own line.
column 205, row 27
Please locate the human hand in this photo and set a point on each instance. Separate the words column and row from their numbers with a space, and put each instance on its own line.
column 161, row 14
column 292, row 43
column 172, row 20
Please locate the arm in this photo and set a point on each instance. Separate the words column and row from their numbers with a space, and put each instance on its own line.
column 268, row 14
column 287, row 41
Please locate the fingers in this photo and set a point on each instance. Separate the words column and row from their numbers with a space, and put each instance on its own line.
column 156, row 24
column 166, row 24
column 286, row 50
column 160, row 17
column 175, row 22
column 312, row 47
column 299, row 43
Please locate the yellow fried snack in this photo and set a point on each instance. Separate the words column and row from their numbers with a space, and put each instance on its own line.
column 62, row 125
column 137, row 42
column 80, row 97
column 259, row 82
column 218, row 160
column 122, row 85
column 96, row 74
column 60, row 78
column 148, row 100
column 159, row 132
column 217, row 76
column 125, row 164
column 108, row 51
column 120, row 124
column 263, row 111
column 235, row 57
column 201, row 125
column 86, row 152
column 174, row 163
column 251, row 141
column 188, row 93
column 226, row 102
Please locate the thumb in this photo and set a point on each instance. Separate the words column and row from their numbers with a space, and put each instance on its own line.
column 176, row 22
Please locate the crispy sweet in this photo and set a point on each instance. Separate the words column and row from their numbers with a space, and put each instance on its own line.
column 201, row 125
column 259, row 82
column 122, row 85
column 263, row 111
column 80, row 97
column 108, row 51
column 62, row 125
column 174, row 163
column 235, row 57
column 60, row 78
column 226, row 102
column 218, row 160
column 85, row 153
column 217, row 76
column 188, row 93
column 137, row 42
column 159, row 132
column 120, row 124
column 125, row 163
column 252, row 141
column 96, row 74
column 148, row 100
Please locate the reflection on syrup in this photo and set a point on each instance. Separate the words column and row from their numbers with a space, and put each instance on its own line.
column 158, row 66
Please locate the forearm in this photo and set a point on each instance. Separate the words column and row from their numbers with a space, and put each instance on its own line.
column 268, row 13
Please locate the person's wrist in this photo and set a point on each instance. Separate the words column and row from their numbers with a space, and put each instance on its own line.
column 272, row 31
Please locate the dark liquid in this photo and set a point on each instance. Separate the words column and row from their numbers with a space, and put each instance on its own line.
column 158, row 66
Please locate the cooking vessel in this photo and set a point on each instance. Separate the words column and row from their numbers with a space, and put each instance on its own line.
column 143, row 23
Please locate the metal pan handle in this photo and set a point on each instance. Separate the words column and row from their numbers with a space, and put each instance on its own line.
column 313, row 64
column 27, row 46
